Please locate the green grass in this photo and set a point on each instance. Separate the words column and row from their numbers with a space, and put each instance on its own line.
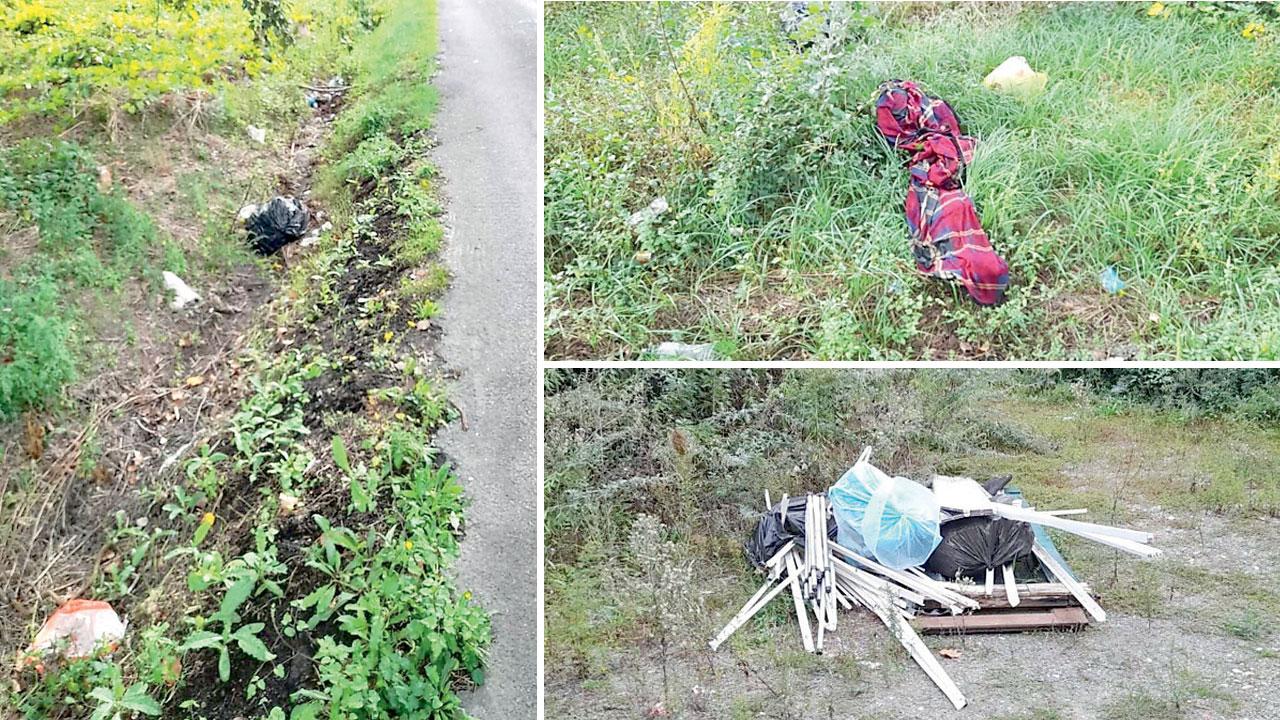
column 68, row 238
column 785, row 235
column 1186, row 689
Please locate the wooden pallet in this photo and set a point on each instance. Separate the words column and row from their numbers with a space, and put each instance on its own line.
column 997, row 621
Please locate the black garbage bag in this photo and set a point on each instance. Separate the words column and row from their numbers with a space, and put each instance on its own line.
column 277, row 224
column 772, row 533
column 970, row 545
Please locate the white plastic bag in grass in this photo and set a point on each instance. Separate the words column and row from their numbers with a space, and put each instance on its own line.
column 892, row 519
column 1015, row 75
column 78, row 627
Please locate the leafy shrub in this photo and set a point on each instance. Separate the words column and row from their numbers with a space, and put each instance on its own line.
column 61, row 53
column 1249, row 393
column 611, row 449
column 35, row 361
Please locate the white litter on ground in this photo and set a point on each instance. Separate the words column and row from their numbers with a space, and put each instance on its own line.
column 183, row 295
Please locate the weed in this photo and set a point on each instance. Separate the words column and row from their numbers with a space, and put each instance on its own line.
column 1248, row 624
column 227, row 620
column 84, row 239
column 426, row 282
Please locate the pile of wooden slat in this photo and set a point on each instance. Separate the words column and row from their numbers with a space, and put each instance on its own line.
column 823, row 576
column 819, row 581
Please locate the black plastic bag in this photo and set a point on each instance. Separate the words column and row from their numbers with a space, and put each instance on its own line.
column 277, row 224
column 772, row 533
column 970, row 545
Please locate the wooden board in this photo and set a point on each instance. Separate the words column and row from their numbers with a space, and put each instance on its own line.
column 1064, row 618
column 1000, row 601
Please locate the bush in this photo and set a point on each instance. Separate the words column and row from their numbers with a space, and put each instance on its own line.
column 35, row 361
column 1248, row 393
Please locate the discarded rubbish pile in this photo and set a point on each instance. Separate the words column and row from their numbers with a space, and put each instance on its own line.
column 914, row 556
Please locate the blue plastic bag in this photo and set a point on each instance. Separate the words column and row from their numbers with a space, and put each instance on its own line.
column 892, row 519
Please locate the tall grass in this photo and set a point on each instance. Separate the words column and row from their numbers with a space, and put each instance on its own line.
column 1150, row 151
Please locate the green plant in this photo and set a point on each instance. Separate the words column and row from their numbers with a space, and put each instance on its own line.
column 229, row 630
column 202, row 470
column 120, row 701
column 269, row 20
column 270, row 421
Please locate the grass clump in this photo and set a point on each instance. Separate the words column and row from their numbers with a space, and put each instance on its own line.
column 71, row 243
column 785, row 229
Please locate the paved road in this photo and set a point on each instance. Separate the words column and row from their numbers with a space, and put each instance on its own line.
column 487, row 127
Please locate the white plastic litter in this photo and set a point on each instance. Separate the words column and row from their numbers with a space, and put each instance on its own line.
column 650, row 213
column 683, row 351
column 1015, row 74
column 258, row 134
column 246, row 212
column 83, row 624
column 183, row 295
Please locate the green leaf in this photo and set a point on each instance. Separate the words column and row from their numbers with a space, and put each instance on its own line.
column 359, row 498
column 340, row 454
column 251, row 645
column 239, row 591
column 200, row 639
column 309, row 711
column 137, row 700
column 224, row 664
column 202, row 531
column 102, row 694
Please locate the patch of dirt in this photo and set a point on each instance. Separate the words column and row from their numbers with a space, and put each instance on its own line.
column 127, row 419
column 1098, row 322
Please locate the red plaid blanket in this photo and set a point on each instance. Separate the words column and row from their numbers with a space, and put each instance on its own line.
column 947, row 239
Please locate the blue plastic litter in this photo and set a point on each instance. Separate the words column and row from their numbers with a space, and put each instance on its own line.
column 1110, row 280
column 892, row 519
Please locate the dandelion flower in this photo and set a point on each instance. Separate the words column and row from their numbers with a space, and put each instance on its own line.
column 1155, row 9
column 208, row 519
column 466, row 595
column 1253, row 30
column 408, row 544
column 386, row 337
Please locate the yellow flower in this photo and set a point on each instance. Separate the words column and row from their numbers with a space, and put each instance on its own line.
column 1253, row 30
column 207, row 519
column 466, row 595
column 1155, row 9
column 386, row 337
column 408, row 544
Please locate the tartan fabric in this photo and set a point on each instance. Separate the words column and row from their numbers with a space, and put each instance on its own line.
column 947, row 239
